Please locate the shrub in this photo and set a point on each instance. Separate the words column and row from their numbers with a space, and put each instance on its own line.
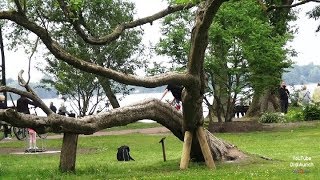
column 311, row 112
column 272, row 118
column 294, row 114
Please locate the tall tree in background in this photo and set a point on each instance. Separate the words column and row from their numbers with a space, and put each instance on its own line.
column 239, row 52
column 121, row 55
column 81, row 88
column 124, row 55
column 265, row 99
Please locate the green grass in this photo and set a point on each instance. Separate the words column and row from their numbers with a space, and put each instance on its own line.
column 96, row 158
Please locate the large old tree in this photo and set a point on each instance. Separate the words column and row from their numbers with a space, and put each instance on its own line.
column 187, row 126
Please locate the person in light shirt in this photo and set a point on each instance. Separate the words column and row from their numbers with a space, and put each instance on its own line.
column 316, row 95
column 304, row 96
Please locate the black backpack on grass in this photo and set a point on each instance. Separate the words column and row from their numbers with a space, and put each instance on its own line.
column 124, row 154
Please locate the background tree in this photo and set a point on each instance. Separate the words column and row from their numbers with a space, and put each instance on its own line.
column 239, row 52
column 124, row 55
column 81, row 89
column 315, row 14
column 302, row 74
column 266, row 99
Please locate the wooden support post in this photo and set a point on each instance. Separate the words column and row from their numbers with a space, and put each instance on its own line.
column 185, row 158
column 68, row 152
column 205, row 148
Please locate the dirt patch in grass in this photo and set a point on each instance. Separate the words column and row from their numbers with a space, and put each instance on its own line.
column 15, row 150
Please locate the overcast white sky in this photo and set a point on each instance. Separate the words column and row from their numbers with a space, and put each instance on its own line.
column 306, row 42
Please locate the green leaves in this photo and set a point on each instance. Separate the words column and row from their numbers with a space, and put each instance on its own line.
column 76, row 4
column 123, row 55
column 185, row 1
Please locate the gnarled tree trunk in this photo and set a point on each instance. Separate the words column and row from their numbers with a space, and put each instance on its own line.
column 265, row 102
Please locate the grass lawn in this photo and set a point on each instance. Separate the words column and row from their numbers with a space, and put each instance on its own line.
column 96, row 158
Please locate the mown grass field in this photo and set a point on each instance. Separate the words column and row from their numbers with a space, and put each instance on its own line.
column 96, row 158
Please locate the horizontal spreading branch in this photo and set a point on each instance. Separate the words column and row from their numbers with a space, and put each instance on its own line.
column 29, row 95
column 60, row 53
column 152, row 109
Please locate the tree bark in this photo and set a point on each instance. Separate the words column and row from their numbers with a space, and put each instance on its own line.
column 109, row 93
column 68, row 152
column 265, row 102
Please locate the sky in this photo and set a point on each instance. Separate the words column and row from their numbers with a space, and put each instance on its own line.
column 306, row 41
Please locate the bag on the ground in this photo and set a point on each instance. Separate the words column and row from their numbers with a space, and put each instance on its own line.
column 124, row 154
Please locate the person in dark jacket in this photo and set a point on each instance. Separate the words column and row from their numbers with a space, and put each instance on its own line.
column 53, row 108
column 284, row 97
column 22, row 104
column 176, row 92
column 23, row 107
column 6, row 130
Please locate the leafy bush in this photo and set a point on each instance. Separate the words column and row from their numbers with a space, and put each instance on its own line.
column 272, row 118
column 311, row 112
column 294, row 114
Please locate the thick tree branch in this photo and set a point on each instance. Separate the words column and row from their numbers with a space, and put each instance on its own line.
column 192, row 96
column 60, row 53
column 200, row 35
column 29, row 95
column 152, row 109
column 38, row 100
column 17, row 3
column 77, row 24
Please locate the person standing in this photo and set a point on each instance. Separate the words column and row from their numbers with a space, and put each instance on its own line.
column 23, row 107
column 6, row 130
column 316, row 95
column 304, row 96
column 284, row 97
column 62, row 110
column 22, row 104
column 53, row 108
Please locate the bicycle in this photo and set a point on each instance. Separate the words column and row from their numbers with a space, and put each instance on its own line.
column 22, row 133
column 19, row 133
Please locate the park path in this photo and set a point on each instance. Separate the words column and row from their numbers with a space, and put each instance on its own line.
column 155, row 130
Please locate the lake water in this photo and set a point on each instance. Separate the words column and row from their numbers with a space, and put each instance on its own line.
column 133, row 98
